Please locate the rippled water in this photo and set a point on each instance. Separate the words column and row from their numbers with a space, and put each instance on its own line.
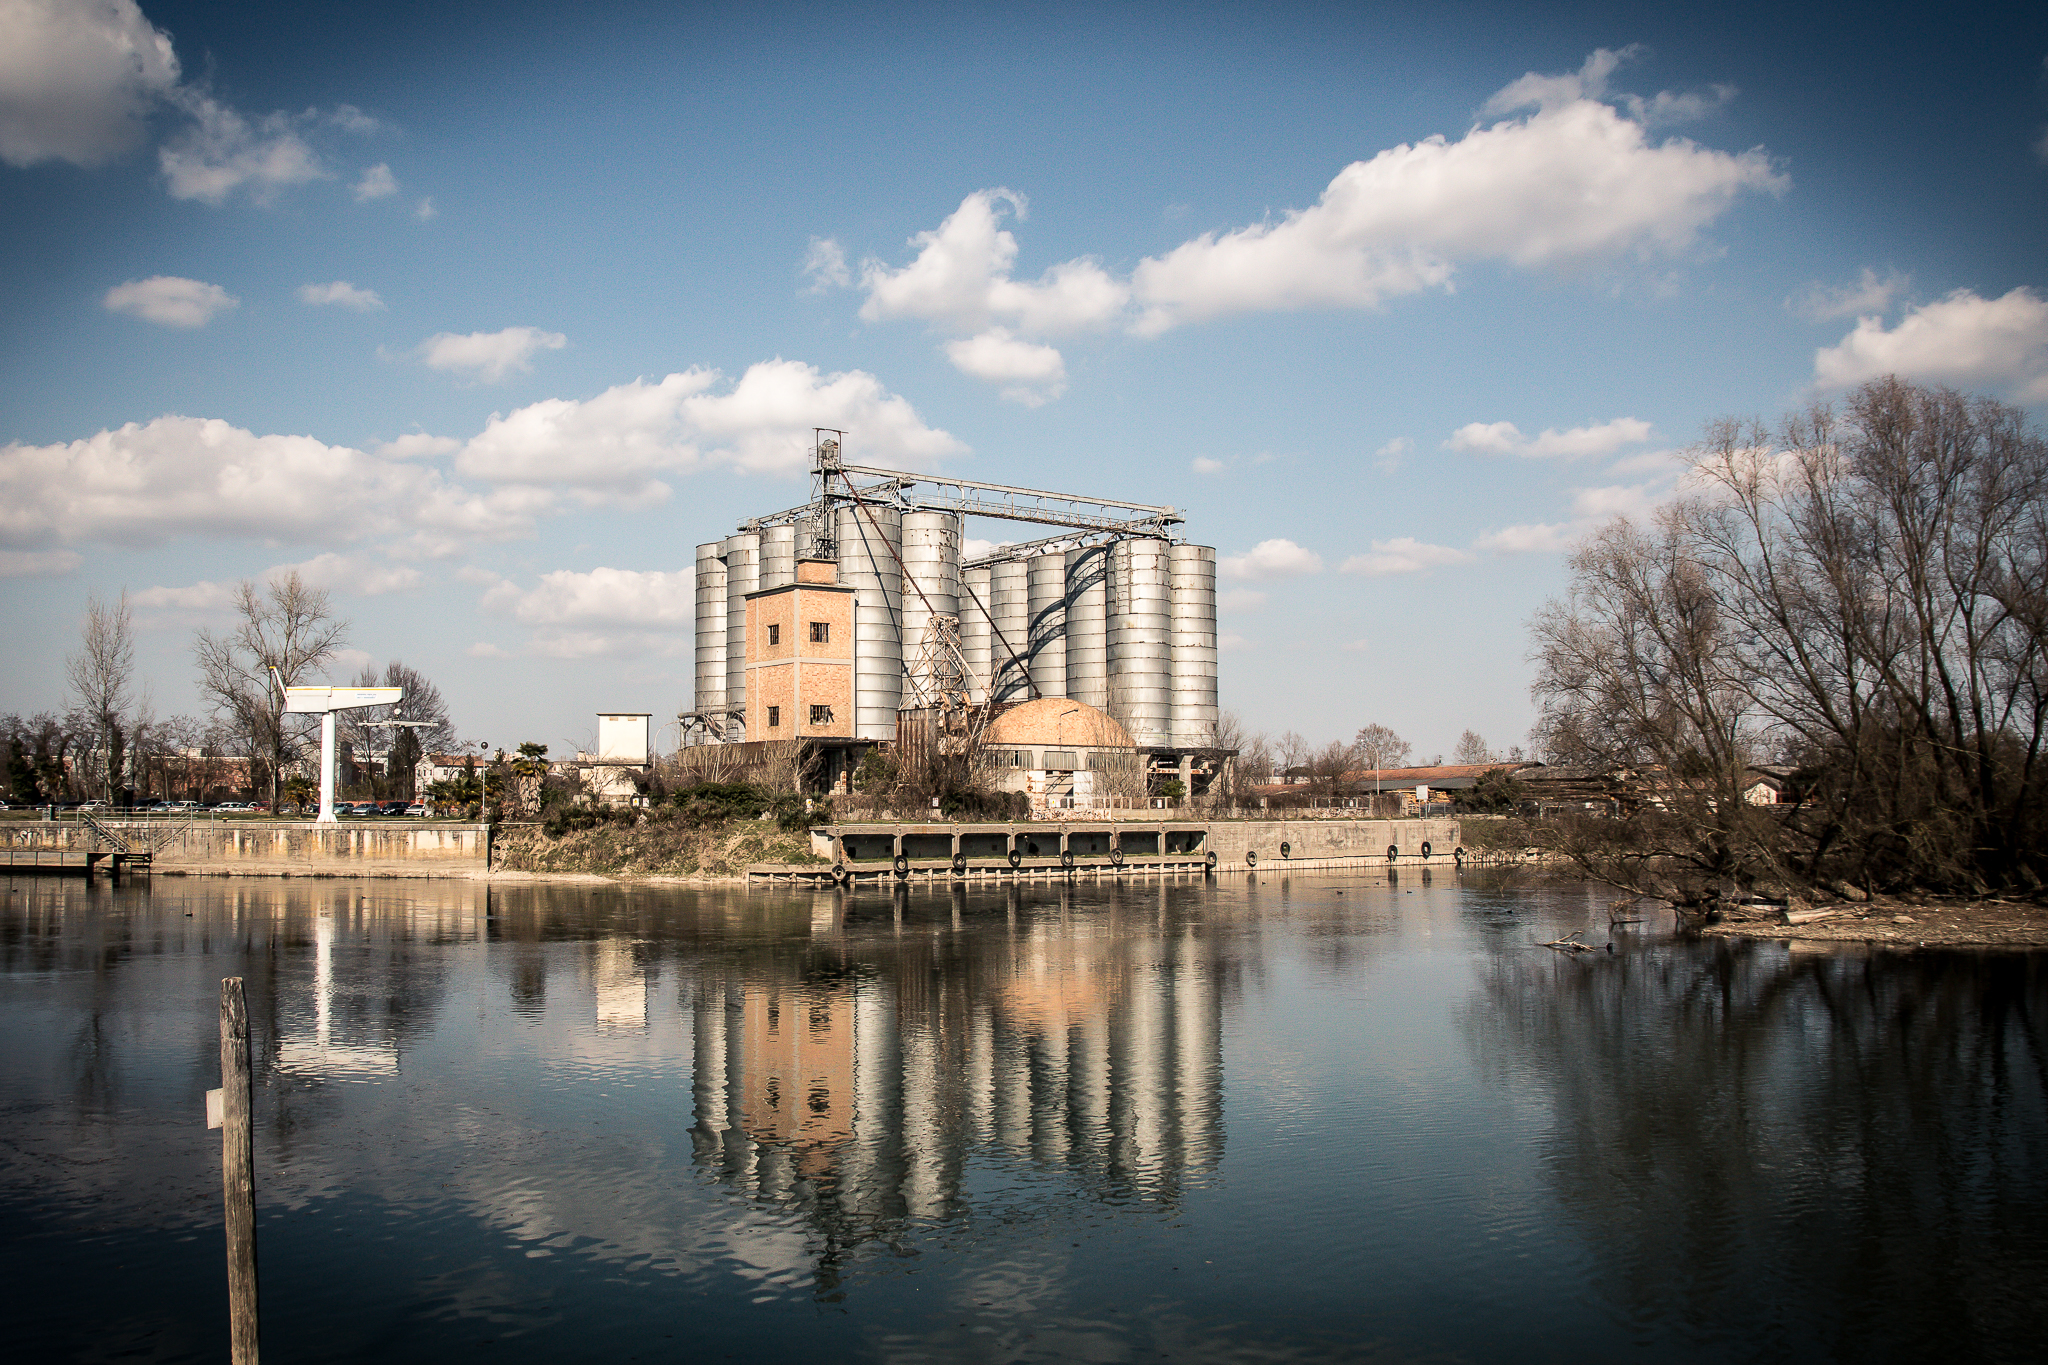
column 1260, row 1119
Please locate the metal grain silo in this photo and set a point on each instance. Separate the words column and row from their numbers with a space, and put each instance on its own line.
column 1139, row 637
column 1009, row 650
column 870, row 542
column 1087, row 623
column 975, row 636
column 1194, row 646
column 1046, row 586
column 742, row 576
column 778, row 557
column 710, row 677
column 931, row 556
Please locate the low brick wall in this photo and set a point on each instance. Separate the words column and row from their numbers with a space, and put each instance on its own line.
column 402, row 848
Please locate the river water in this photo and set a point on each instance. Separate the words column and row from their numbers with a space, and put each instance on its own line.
column 1261, row 1118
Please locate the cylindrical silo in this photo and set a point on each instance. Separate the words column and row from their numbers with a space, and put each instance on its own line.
column 778, row 557
column 1140, row 640
column 931, row 556
column 870, row 541
column 1087, row 621
column 975, row 636
column 1194, row 646
column 742, row 576
column 1047, row 588
column 1009, row 651
column 710, row 680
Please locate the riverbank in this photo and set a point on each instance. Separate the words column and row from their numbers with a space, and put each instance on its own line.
column 1923, row 922
column 654, row 849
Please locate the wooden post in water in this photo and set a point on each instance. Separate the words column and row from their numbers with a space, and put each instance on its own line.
column 238, row 1170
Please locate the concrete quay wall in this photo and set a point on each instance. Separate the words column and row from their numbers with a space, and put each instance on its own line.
column 1232, row 839
column 283, row 847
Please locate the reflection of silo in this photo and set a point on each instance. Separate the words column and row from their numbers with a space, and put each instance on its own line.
column 742, row 576
column 1194, row 646
column 1010, row 606
column 778, row 557
column 1047, row 602
column 931, row 556
column 1087, row 621
column 975, row 637
column 710, row 689
column 1139, row 640
column 870, row 539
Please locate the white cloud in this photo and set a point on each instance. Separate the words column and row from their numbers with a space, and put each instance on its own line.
column 607, row 596
column 221, row 151
column 488, row 357
column 177, row 476
column 1962, row 339
column 1389, row 456
column 1504, row 438
column 205, row 596
column 1267, row 560
column 483, row 649
column 1865, row 295
column 1532, row 537
column 974, row 547
column 352, row 575
column 1573, row 182
column 1636, row 501
column 1240, row 599
column 418, row 445
column 426, row 211
column 1650, row 462
column 78, row 79
column 343, row 293
column 616, row 444
column 377, row 183
column 961, row 276
column 1404, row 555
column 38, row 563
column 171, row 300
column 1589, row 82
column 825, row 265
column 1202, row 464
column 1031, row 373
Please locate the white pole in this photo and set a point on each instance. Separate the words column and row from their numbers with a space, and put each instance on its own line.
column 327, row 816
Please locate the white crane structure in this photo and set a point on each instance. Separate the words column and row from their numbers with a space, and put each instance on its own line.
column 325, row 701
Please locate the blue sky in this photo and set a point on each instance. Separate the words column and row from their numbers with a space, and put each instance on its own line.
column 486, row 315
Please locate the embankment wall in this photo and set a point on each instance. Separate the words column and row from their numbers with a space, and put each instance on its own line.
column 285, row 847
column 1231, row 839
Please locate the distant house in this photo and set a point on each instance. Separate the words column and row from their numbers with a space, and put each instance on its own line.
column 434, row 768
column 1769, row 784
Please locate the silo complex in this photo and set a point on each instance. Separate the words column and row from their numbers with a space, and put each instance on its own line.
column 710, row 690
column 778, row 557
column 870, row 546
column 931, row 557
column 1087, row 623
column 1194, row 646
column 1139, row 640
column 742, row 576
column 1047, row 601
column 1010, row 621
column 976, row 640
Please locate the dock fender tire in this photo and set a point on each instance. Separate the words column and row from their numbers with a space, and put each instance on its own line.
column 1209, row 859
column 1459, row 853
column 903, row 865
column 1286, row 849
column 1251, row 857
column 1066, row 857
column 1116, row 857
column 959, row 864
column 1393, row 852
column 1015, row 857
column 1425, row 848
column 840, row 874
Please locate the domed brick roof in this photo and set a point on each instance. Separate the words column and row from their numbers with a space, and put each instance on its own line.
column 1055, row 722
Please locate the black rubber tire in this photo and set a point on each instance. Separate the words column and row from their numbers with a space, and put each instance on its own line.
column 1393, row 852
column 1015, row 857
column 839, row 873
column 902, row 865
column 959, row 864
column 1251, row 857
column 1286, row 849
column 1459, row 853
column 1209, row 859
column 1116, row 857
column 1425, row 848
column 1067, row 858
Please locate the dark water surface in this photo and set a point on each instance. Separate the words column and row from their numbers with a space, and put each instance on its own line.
column 1325, row 1118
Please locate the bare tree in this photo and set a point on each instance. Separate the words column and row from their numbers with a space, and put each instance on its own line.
column 102, row 675
column 1472, row 749
column 1253, row 764
column 1379, row 747
column 287, row 627
column 369, row 731
column 1291, row 750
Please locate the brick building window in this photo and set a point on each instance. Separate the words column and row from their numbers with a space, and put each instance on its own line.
column 821, row 632
column 820, row 715
column 775, row 635
column 774, row 712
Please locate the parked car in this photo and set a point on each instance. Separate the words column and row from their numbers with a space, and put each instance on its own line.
column 91, row 805
column 416, row 809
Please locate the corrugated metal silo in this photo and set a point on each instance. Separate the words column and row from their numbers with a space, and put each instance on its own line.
column 1139, row 636
column 1087, row 622
column 1047, row 600
column 931, row 556
column 1009, row 652
column 778, row 557
column 742, row 576
column 1194, row 646
column 870, row 541
column 710, row 678
column 975, row 637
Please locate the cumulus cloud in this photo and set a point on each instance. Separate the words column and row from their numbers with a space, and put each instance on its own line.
column 607, row 596
column 488, row 357
column 352, row 575
column 171, row 300
column 222, row 151
column 618, row 444
column 341, row 293
column 1031, row 373
column 204, row 596
column 1268, row 560
column 78, row 79
column 1505, row 438
column 1531, row 537
column 825, row 265
column 426, row 211
column 1868, row 293
column 377, row 183
column 1963, row 339
column 1591, row 508
column 1388, row 457
column 1404, row 555
column 962, row 276
column 1202, row 464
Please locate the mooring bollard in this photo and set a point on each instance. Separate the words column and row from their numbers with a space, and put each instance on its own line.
column 230, row 1113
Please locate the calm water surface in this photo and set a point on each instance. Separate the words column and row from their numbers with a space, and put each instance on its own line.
column 1312, row 1119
